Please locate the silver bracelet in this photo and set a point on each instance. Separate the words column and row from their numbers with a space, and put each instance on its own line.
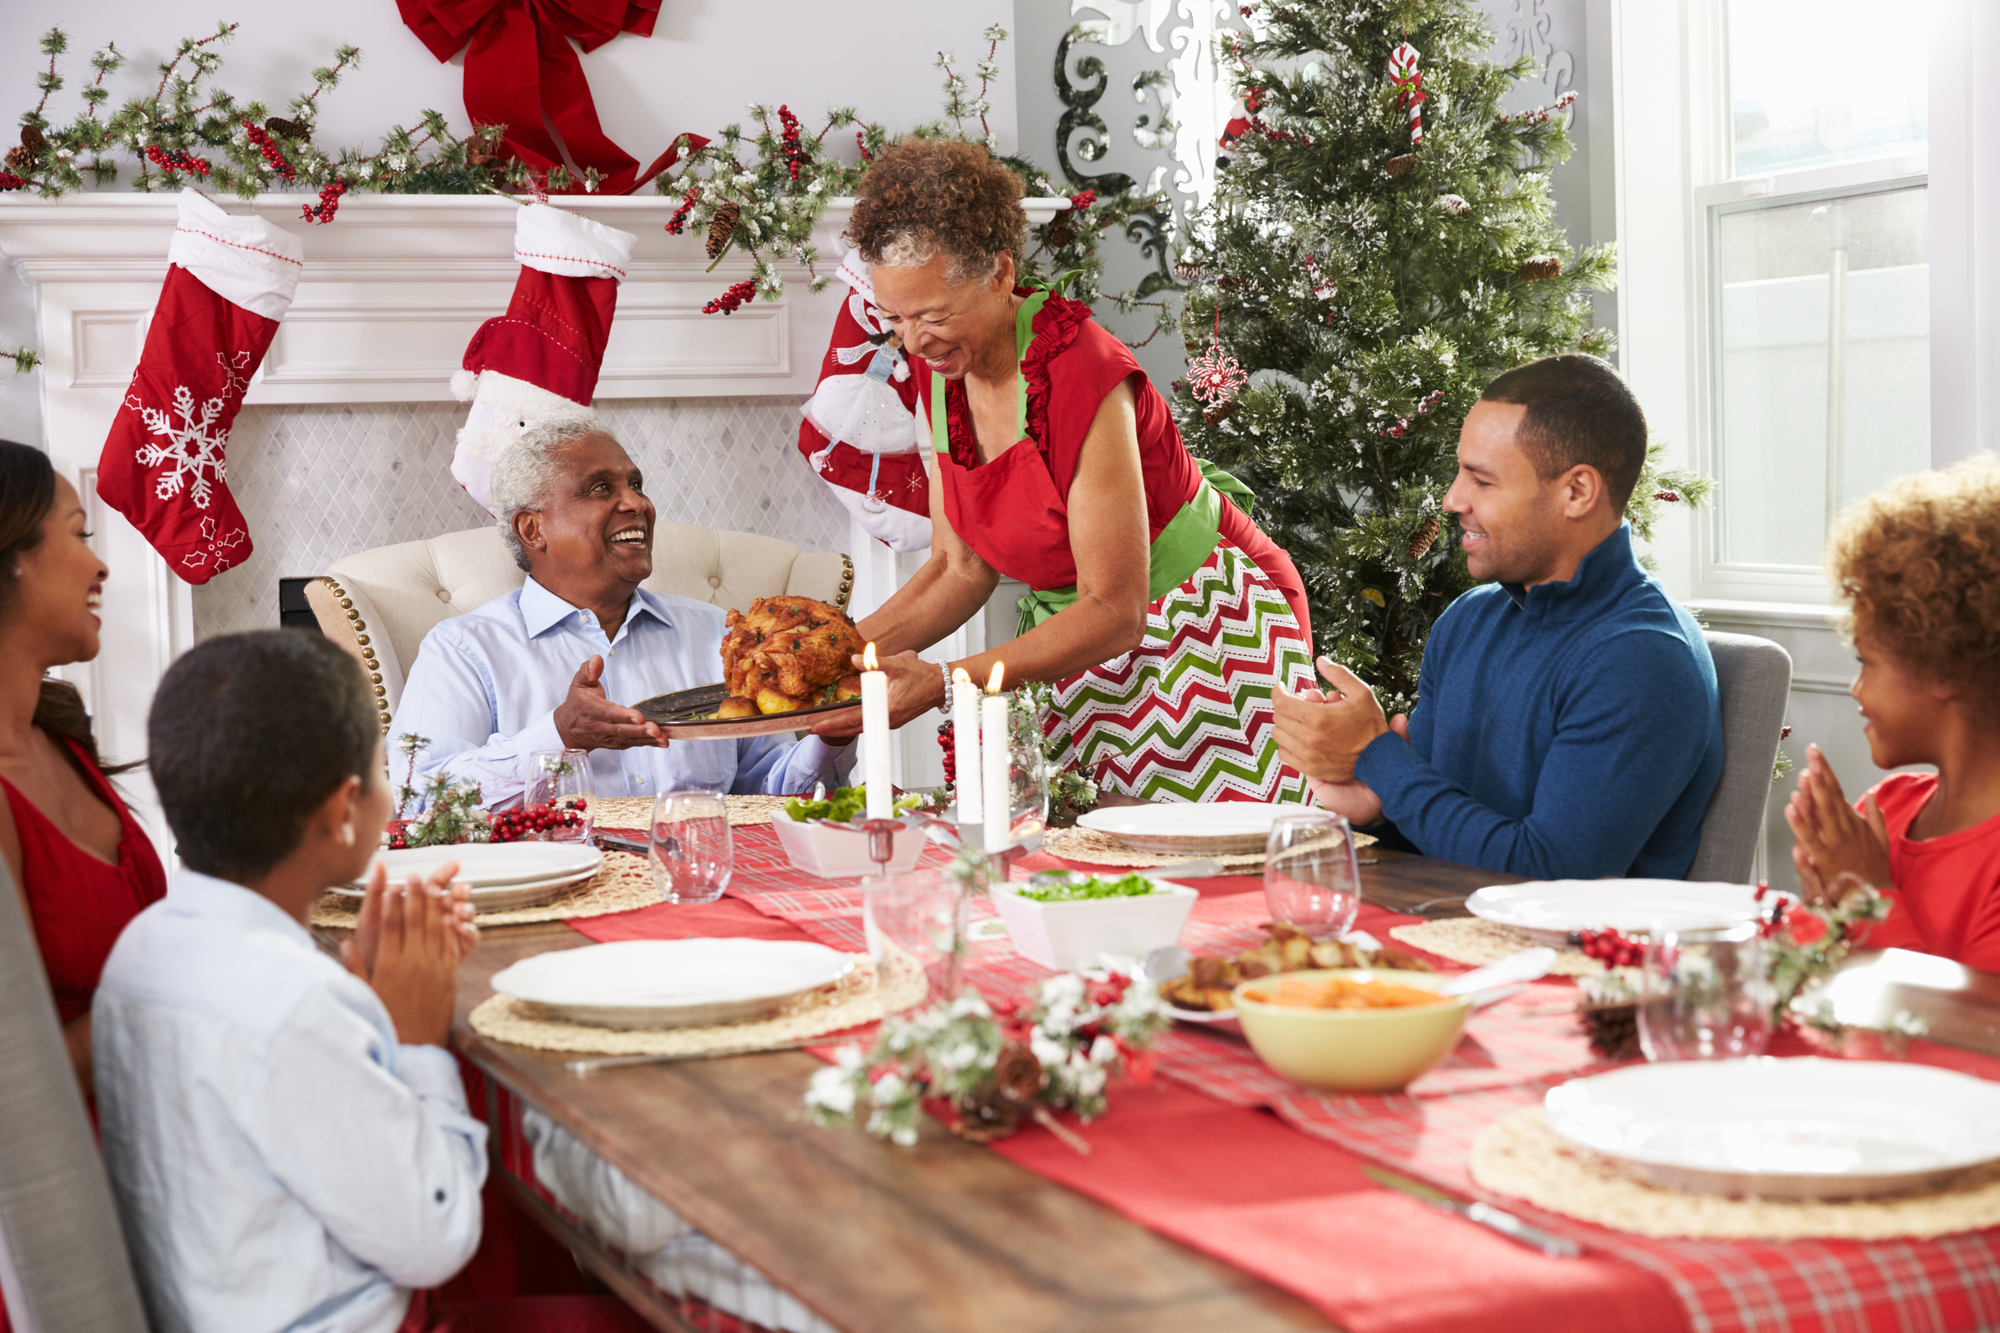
column 944, row 670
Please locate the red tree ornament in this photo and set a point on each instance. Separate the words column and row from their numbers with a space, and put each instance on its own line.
column 1215, row 376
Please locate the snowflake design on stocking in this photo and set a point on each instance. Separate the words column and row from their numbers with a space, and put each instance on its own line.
column 190, row 451
column 220, row 549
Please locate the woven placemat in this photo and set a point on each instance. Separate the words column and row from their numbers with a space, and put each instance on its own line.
column 1521, row 1156
column 633, row 812
column 1101, row 849
column 624, row 882
column 859, row 997
column 1476, row 943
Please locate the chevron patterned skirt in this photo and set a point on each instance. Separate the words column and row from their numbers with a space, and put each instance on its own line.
column 1187, row 715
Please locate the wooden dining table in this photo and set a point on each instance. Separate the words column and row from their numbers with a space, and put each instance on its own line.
column 949, row 1235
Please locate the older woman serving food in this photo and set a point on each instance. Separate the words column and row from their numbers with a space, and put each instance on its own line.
column 1163, row 616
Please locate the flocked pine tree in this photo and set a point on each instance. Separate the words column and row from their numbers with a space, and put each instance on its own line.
column 1382, row 244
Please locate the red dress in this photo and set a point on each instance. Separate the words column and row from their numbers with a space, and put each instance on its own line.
column 78, row 903
column 1947, row 895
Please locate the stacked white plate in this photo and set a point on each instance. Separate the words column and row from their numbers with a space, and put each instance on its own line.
column 501, row 875
column 1785, row 1129
column 672, row 983
column 1212, row 828
column 1552, row 910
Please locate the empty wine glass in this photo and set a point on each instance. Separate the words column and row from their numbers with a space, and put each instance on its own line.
column 689, row 847
column 1705, row 995
column 1027, row 771
column 922, row 915
column 561, row 779
column 1311, row 878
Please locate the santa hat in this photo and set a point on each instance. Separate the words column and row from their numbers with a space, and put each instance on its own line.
column 861, row 432
column 538, row 363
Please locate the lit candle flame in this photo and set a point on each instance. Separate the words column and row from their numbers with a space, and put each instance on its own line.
column 868, row 662
column 960, row 676
column 993, row 681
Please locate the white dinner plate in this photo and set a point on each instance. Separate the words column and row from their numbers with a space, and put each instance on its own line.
column 672, row 983
column 487, row 864
column 1224, row 828
column 1552, row 910
column 1785, row 1129
column 505, row 897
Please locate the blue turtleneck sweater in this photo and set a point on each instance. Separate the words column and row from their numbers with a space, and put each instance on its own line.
column 1565, row 731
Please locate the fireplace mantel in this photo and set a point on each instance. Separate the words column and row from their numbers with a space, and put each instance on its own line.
column 391, row 292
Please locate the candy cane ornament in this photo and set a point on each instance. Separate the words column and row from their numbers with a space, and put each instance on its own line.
column 1409, row 83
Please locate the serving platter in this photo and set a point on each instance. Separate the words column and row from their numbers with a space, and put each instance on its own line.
column 1550, row 911
column 1216, row 828
column 1785, row 1129
column 690, row 715
column 671, row 983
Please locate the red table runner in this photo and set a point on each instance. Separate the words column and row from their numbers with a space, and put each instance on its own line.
column 1234, row 1161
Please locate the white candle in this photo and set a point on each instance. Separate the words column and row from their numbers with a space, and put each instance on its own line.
column 965, row 746
column 997, row 793
column 876, row 736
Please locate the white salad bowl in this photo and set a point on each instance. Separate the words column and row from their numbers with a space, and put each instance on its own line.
column 841, row 853
column 1067, row 936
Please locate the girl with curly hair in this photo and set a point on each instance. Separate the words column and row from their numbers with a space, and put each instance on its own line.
column 1161, row 614
column 1920, row 565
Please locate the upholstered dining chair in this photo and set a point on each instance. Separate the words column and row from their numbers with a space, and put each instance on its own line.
column 379, row 604
column 1755, row 677
column 65, row 1264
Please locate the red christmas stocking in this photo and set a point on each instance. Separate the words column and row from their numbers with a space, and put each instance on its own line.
column 229, row 282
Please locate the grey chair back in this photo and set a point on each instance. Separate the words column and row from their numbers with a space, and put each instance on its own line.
column 1755, row 677
column 65, row 1266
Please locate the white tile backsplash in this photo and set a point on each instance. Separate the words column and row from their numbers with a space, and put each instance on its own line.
column 320, row 482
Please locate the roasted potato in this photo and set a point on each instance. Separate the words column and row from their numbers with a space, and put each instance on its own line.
column 787, row 653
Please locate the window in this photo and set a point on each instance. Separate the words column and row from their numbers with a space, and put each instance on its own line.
column 1817, row 270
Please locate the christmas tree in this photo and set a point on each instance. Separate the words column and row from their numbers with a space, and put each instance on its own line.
column 1381, row 246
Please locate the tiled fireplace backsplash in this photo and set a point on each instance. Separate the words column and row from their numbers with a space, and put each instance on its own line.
column 320, row 482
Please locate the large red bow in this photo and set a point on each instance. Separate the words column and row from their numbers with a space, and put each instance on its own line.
column 520, row 67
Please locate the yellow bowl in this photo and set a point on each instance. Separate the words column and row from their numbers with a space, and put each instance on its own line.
column 1351, row 1050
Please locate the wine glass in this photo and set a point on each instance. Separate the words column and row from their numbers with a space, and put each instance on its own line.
column 1027, row 770
column 1311, row 878
column 1705, row 994
column 561, row 779
column 689, row 847
column 921, row 914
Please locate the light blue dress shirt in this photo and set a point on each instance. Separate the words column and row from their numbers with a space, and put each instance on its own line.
column 280, row 1160
column 486, row 685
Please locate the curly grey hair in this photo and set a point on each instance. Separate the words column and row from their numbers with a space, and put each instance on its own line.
column 526, row 468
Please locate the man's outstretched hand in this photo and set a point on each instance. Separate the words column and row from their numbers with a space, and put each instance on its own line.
column 1322, row 733
column 588, row 720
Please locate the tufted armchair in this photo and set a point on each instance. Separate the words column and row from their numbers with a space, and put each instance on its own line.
column 379, row 604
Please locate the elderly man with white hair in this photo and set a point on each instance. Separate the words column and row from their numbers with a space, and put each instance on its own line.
column 541, row 668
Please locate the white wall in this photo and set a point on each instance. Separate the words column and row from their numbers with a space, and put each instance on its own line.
column 706, row 61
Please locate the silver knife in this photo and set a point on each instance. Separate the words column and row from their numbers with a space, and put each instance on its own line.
column 1485, row 1214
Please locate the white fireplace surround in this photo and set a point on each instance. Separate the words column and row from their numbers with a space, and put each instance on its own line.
column 391, row 292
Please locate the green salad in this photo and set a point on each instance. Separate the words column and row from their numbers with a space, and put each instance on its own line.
column 1081, row 890
column 845, row 805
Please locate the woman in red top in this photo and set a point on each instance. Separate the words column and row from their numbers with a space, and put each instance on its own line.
column 1161, row 614
column 1921, row 564
column 83, row 865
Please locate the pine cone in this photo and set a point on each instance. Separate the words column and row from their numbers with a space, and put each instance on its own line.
column 1220, row 413
column 1426, row 536
column 20, row 161
column 288, row 129
column 1611, row 1029
column 1060, row 231
column 1454, row 204
column 721, row 227
column 32, row 140
column 1017, row 1074
column 1189, row 273
column 1399, row 164
column 986, row 1115
column 1541, row 267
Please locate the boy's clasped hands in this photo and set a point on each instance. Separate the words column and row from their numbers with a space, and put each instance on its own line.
column 408, row 942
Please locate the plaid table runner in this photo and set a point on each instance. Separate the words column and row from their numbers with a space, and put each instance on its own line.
column 1514, row 1052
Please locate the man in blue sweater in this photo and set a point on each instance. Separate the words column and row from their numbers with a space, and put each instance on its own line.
column 1568, row 723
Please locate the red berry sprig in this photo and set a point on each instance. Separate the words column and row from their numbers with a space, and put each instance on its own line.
column 177, row 160
column 733, row 299
column 948, row 742
column 534, row 822
column 1079, row 203
column 1612, row 949
column 328, row 205
column 9, row 181
column 789, row 140
column 679, row 221
column 261, row 138
column 862, row 144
